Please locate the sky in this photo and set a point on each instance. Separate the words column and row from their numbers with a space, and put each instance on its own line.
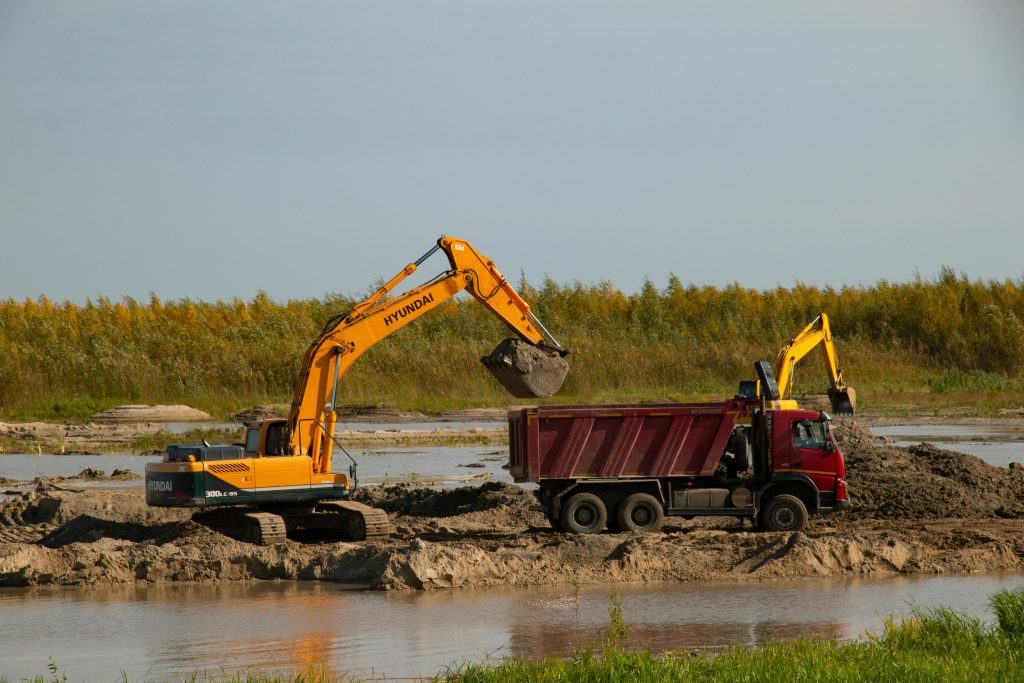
column 213, row 150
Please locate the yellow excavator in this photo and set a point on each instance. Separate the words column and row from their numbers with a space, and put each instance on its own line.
column 280, row 481
column 817, row 334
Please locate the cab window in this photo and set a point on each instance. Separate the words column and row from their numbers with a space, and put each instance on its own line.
column 808, row 434
column 252, row 441
column 275, row 439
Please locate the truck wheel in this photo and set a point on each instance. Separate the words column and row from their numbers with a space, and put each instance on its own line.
column 784, row 513
column 583, row 513
column 640, row 512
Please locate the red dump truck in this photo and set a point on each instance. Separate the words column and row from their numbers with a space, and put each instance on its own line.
column 627, row 466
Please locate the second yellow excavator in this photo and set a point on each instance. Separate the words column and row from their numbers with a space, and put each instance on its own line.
column 817, row 334
column 281, row 480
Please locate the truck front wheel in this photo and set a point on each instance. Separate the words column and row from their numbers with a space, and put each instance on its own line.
column 784, row 513
column 640, row 512
column 584, row 513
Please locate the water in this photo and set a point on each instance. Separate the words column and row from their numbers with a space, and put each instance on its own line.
column 998, row 445
column 23, row 467
column 428, row 464
column 165, row 631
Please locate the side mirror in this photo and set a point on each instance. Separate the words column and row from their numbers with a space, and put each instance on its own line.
column 830, row 445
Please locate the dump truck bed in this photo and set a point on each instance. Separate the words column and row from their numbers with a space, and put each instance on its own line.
column 620, row 441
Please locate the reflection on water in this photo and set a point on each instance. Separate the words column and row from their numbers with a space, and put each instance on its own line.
column 164, row 631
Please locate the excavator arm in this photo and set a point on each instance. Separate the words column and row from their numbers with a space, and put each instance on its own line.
column 345, row 337
column 817, row 334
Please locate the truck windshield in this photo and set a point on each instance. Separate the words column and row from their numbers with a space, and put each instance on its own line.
column 808, row 434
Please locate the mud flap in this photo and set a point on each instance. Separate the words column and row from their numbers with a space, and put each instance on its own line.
column 843, row 402
column 525, row 370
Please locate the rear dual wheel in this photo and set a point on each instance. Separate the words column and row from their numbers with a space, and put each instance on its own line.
column 583, row 513
column 640, row 512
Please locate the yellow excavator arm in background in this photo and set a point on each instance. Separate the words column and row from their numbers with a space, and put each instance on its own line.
column 817, row 334
column 345, row 337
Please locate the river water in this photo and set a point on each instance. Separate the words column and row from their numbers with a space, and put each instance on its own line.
column 164, row 632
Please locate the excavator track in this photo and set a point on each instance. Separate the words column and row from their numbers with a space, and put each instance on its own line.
column 358, row 522
column 258, row 528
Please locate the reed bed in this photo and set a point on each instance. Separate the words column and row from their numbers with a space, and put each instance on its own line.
column 947, row 339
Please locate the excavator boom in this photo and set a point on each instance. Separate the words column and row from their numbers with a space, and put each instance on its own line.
column 531, row 366
column 817, row 334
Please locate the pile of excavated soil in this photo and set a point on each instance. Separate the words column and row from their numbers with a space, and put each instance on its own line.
column 924, row 482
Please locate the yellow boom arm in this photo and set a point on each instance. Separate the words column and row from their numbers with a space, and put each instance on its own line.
column 817, row 334
column 346, row 337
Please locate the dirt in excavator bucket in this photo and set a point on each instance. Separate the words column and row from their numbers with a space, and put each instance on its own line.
column 843, row 402
column 527, row 371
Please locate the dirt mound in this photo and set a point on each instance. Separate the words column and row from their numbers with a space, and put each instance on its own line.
column 423, row 502
column 257, row 413
column 369, row 412
column 924, row 482
column 155, row 413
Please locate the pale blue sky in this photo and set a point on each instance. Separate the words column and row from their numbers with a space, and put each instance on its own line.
column 214, row 149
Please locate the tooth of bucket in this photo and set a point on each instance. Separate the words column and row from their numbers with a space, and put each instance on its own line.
column 843, row 402
column 526, row 370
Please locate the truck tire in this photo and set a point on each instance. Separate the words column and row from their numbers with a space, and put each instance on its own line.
column 583, row 513
column 640, row 512
column 784, row 513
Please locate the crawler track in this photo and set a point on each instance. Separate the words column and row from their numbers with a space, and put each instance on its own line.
column 361, row 522
column 259, row 528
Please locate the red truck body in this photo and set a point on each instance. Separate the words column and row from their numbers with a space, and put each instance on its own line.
column 730, row 458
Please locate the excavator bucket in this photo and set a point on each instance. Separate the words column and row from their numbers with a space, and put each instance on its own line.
column 527, row 371
column 843, row 402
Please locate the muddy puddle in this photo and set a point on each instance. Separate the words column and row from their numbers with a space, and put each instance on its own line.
column 998, row 445
column 165, row 632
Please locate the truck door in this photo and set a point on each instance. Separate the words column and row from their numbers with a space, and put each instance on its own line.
column 812, row 452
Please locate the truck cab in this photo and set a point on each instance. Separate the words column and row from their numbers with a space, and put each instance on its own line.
column 804, row 450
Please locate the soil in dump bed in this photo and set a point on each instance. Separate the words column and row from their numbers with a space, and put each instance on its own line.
column 923, row 481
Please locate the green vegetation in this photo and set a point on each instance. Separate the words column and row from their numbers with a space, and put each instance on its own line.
column 935, row 644
column 945, row 342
